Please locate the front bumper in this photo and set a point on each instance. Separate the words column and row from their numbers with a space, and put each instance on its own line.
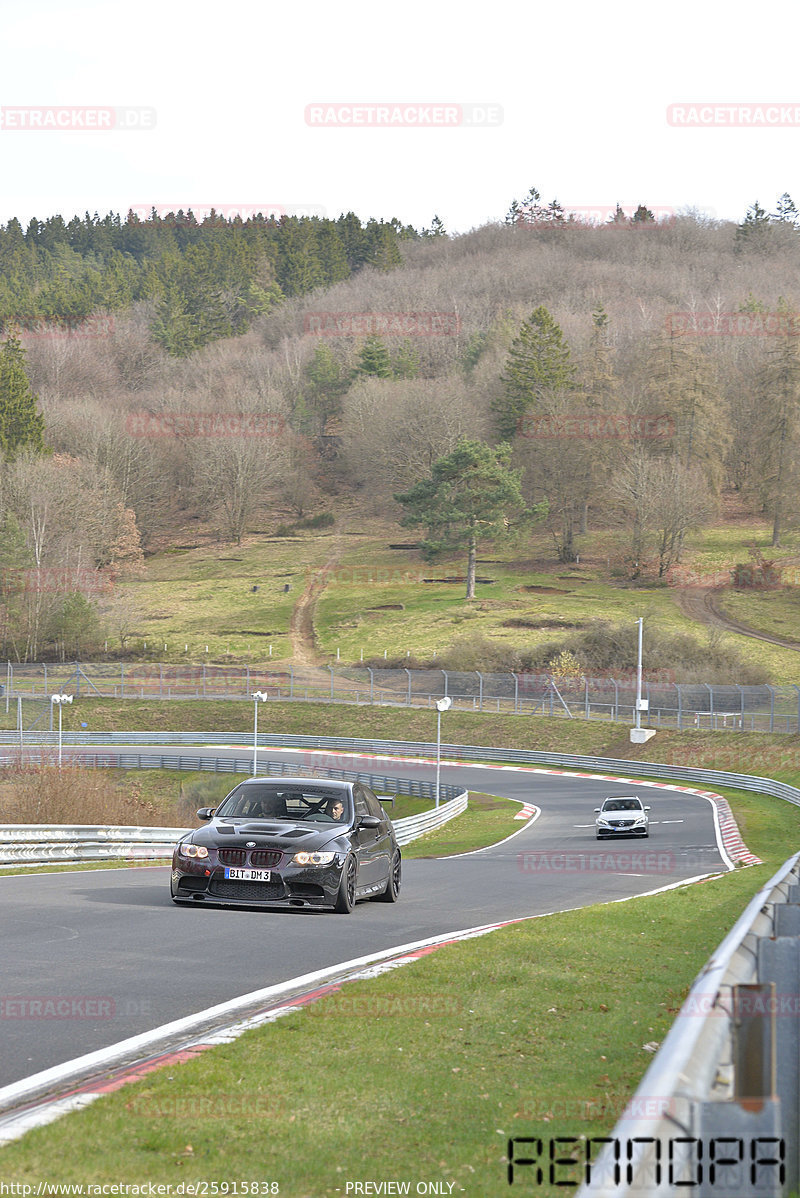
column 604, row 830
column 291, row 886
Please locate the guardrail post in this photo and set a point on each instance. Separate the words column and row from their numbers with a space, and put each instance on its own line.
column 779, row 961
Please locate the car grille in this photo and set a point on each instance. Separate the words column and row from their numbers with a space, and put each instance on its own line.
column 253, row 891
column 265, row 858
column 623, row 823
column 232, row 856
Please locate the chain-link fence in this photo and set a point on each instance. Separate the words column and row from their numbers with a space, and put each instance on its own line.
column 668, row 704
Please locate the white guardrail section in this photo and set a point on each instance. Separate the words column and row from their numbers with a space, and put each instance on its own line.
column 717, row 1112
column 39, row 844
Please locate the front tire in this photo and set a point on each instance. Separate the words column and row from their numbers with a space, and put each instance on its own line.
column 346, row 898
column 392, row 890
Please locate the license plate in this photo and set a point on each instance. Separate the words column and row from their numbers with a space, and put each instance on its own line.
column 247, row 875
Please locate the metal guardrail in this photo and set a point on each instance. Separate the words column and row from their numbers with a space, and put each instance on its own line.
column 714, row 1112
column 377, row 748
column 36, row 844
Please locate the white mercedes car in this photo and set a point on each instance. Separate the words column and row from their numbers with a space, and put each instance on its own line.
column 622, row 815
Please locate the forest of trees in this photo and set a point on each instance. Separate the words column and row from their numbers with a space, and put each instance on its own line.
column 635, row 372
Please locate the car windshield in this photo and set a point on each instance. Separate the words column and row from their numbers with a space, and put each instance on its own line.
column 309, row 804
column 622, row 805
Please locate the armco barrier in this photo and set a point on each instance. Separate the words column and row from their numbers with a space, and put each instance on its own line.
column 399, row 748
column 35, row 844
column 716, row 1113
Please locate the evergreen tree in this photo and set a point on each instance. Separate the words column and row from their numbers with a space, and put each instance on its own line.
column 779, row 429
column 406, row 362
column 785, row 211
column 472, row 494
column 374, row 359
column 21, row 424
column 754, row 230
column 538, row 362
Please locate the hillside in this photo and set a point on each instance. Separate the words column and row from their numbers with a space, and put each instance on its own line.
column 682, row 380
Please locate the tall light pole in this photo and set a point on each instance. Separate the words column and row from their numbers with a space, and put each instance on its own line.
column 258, row 697
column 60, row 700
column 639, row 677
column 441, row 705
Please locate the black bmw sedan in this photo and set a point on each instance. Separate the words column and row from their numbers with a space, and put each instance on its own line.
column 290, row 842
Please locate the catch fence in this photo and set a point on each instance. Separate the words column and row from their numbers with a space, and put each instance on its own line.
column 669, row 704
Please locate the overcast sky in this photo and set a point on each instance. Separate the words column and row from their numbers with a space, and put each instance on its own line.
column 250, row 106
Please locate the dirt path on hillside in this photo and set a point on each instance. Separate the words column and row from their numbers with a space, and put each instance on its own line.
column 305, row 654
column 703, row 604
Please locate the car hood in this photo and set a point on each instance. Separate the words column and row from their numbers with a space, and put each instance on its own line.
column 277, row 834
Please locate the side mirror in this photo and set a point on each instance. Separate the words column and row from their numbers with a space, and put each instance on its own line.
column 596, row 811
column 369, row 821
column 205, row 812
column 647, row 808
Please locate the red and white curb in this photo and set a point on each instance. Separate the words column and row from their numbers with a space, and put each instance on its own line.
column 729, row 838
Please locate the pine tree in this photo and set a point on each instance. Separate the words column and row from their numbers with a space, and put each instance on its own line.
column 538, row 363
column 374, row 359
column 470, row 496
column 779, row 428
column 754, row 230
column 21, row 424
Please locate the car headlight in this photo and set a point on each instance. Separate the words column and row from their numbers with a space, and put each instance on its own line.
column 313, row 858
column 193, row 850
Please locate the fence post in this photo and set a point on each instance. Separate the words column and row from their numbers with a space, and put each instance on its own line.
column 586, row 698
column 122, row 679
column 516, row 693
column 408, row 693
column 247, row 691
column 204, row 680
column 161, row 680
column 371, row 683
column 680, row 705
column 771, row 690
column 445, row 683
column 331, row 670
column 797, row 688
column 616, row 698
column 291, row 682
column 480, row 690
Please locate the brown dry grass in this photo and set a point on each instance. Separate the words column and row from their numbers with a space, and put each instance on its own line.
column 45, row 794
